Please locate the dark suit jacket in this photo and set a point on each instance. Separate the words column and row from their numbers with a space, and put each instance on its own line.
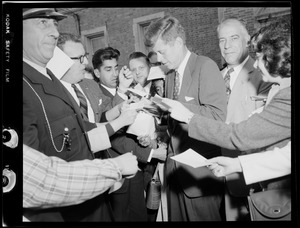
column 203, row 92
column 98, row 100
column 62, row 112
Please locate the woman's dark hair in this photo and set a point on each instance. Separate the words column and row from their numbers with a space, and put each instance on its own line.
column 274, row 42
column 104, row 54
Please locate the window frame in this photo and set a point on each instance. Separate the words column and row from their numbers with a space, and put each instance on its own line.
column 138, row 28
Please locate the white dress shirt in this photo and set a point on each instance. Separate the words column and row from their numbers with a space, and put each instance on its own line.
column 235, row 73
column 69, row 87
column 266, row 165
column 40, row 69
column 181, row 68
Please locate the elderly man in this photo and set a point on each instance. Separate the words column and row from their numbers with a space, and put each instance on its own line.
column 246, row 91
column 52, row 122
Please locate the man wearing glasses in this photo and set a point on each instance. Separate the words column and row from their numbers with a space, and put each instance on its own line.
column 71, row 45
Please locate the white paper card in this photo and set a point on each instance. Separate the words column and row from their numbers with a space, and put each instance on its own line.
column 60, row 63
column 191, row 158
column 156, row 73
column 138, row 92
column 144, row 124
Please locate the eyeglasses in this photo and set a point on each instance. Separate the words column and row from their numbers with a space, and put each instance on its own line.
column 81, row 58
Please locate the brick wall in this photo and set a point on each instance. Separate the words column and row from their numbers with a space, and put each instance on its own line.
column 200, row 24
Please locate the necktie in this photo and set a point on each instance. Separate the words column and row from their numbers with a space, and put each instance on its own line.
column 227, row 82
column 176, row 86
column 82, row 102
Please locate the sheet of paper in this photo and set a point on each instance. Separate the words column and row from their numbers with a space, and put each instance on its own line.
column 155, row 73
column 138, row 92
column 60, row 63
column 144, row 124
column 137, row 105
column 158, row 100
column 191, row 158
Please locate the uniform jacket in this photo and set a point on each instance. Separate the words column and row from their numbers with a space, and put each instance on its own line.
column 62, row 112
column 203, row 92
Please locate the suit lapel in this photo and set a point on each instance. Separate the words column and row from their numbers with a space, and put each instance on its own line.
column 187, row 77
column 53, row 88
column 239, row 88
column 106, row 92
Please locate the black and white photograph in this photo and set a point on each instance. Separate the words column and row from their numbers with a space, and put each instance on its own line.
column 155, row 113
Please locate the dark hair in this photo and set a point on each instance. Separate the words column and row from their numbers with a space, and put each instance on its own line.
column 64, row 37
column 151, row 53
column 167, row 28
column 153, row 88
column 137, row 54
column 274, row 42
column 104, row 54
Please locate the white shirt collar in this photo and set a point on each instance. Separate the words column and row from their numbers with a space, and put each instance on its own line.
column 71, row 90
column 182, row 66
column 40, row 69
column 235, row 73
column 238, row 68
column 111, row 90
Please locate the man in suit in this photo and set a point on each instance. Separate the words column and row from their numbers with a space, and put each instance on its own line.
column 247, row 92
column 194, row 194
column 128, row 202
column 52, row 122
column 140, row 65
column 98, row 105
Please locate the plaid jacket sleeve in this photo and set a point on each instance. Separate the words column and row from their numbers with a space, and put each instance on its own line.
column 53, row 182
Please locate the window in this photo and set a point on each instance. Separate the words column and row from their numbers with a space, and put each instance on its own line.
column 140, row 26
column 95, row 39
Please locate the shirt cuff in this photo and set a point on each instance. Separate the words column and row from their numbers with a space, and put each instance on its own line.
column 99, row 138
column 111, row 160
column 123, row 96
column 150, row 155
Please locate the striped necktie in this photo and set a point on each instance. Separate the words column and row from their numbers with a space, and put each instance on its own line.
column 227, row 82
column 82, row 103
column 176, row 86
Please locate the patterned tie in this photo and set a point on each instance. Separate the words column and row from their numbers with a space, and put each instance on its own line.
column 176, row 86
column 227, row 82
column 82, row 102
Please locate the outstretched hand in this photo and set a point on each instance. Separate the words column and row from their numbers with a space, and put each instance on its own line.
column 177, row 110
column 223, row 166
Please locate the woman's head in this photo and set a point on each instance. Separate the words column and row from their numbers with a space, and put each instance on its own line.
column 272, row 44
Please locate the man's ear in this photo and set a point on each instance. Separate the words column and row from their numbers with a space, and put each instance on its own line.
column 248, row 41
column 179, row 41
column 97, row 73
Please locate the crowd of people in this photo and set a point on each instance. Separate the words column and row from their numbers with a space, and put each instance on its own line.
column 94, row 137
